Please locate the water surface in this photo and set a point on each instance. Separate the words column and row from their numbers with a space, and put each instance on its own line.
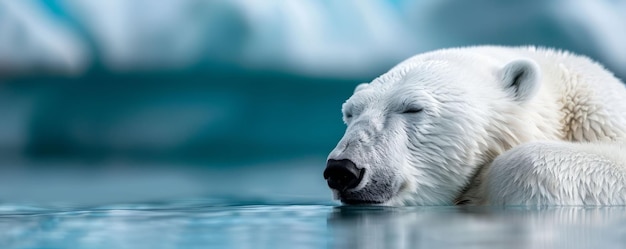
column 216, row 223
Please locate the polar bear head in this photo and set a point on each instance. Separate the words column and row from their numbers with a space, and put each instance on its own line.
column 417, row 134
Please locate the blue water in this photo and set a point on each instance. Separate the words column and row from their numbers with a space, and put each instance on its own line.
column 219, row 223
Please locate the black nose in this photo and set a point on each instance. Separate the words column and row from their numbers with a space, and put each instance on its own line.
column 342, row 174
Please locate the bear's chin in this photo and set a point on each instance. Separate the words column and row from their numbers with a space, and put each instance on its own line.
column 365, row 197
column 360, row 202
column 360, row 199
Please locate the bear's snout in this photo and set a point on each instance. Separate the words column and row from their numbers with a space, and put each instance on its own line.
column 342, row 174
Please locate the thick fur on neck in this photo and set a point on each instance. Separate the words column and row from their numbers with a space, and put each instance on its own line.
column 579, row 115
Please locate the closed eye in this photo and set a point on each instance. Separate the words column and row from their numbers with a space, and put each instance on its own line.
column 412, row 110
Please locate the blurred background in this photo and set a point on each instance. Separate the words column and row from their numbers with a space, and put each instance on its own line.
column 124, row 101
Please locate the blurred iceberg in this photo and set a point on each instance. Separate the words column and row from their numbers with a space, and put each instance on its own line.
column 32, row 38
column 331, row 38
column 310, row 37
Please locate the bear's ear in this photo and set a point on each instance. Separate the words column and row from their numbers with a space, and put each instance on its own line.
column 361, row 87
column 523, row 78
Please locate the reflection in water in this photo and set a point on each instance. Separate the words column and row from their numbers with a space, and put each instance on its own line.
column 173, row 226
column 211, row 223
column 480, row 227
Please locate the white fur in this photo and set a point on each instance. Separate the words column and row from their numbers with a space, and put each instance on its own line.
column 558, row 173
column 472, row 113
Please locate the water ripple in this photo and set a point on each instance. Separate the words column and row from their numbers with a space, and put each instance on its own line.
column 220, row 223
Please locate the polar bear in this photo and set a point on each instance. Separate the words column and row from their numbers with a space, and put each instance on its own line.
column 484, row 125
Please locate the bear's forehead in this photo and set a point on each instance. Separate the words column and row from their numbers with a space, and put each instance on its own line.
column 435, row 71
column 419, row 80
column 403, row 88
column 416, row 74
column 399, row 73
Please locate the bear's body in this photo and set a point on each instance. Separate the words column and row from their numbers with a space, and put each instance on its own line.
column 554, row 173
column 485, row 125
